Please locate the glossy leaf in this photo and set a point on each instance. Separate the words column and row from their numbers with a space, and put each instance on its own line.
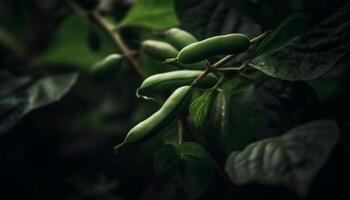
column 236, row 115
column 20, row 95
column 292, row 159
column 312, row 54
column 152, row 14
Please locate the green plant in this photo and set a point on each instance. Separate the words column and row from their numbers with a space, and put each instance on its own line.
column 212, row 127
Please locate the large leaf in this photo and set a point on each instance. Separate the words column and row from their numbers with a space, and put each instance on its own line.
column 78, row 42
column 286, row 104
column 292, row 159
column 188, row 165
column 20, row 95
column 213, row 17
column 312, row 54
column 236, row 115
column 153, row 14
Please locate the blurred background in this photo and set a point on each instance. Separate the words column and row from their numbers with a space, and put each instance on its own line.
column 64, row 149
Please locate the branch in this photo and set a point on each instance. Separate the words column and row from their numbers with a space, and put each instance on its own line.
column 117, row 39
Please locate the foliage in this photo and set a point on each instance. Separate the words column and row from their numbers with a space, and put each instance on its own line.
column 259, row 118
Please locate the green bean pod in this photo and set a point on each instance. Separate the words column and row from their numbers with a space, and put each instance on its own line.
column 159, row 50
column 171, row 80
column 178, row 102
column 234, row 43
column 179, row 38
column 162, row 51
column 110, row 65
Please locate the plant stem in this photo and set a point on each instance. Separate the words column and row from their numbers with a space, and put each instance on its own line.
column 201, row 76
column 117, row 39
column 260, row 37
column 217, row 167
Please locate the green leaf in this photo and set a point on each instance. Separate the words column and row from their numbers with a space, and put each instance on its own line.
column 212, row 17
column 293, row 26
column 152, row 14
column 292, row 159
column 20, row 95
column 311, row 55
column 188, row 166
column 199, row 108
column 78, row 43
column 236, row 115
column 244, row 113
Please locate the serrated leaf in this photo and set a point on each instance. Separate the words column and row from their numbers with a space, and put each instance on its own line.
column 292, row 159
column 312, row 54
column 20, row 95
column 212, row 17
column 199, row 108
column 152, row 14
column 79, row 43
column 188, row 166
column 293, row 26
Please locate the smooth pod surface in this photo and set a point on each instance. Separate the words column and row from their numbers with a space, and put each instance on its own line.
column 158, row 49
column 110, row 65
column 234, row 43
column 178, row 101
column 179, row 38
column 171, row 80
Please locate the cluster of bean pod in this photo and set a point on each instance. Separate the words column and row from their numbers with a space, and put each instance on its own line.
column 191, row 55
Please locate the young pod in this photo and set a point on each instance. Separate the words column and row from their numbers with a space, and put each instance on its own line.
column 179, row 38
column 159, row 50
column 108, row 66
column 178, row 102
column 171, row 80
column 234, row 43
column 162, row 51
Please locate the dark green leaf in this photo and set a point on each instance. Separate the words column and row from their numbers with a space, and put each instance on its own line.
column 20, row 95
column 188, row 166
column 234, row 118
column 153, row 14
column 245, row 114
column 293, row 26
column 199, row 108
column 292, row 160
column 312, row 54
column 212, row 17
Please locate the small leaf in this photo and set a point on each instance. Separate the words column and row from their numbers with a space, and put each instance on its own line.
column 153, row 14
column 199, row 108
column 188, row 166
column 20, row 95
column 293, row 26
column 312, row 54
column 292, row 159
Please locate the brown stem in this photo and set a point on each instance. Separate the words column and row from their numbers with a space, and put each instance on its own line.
column 217, row 167
column 118, row 41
